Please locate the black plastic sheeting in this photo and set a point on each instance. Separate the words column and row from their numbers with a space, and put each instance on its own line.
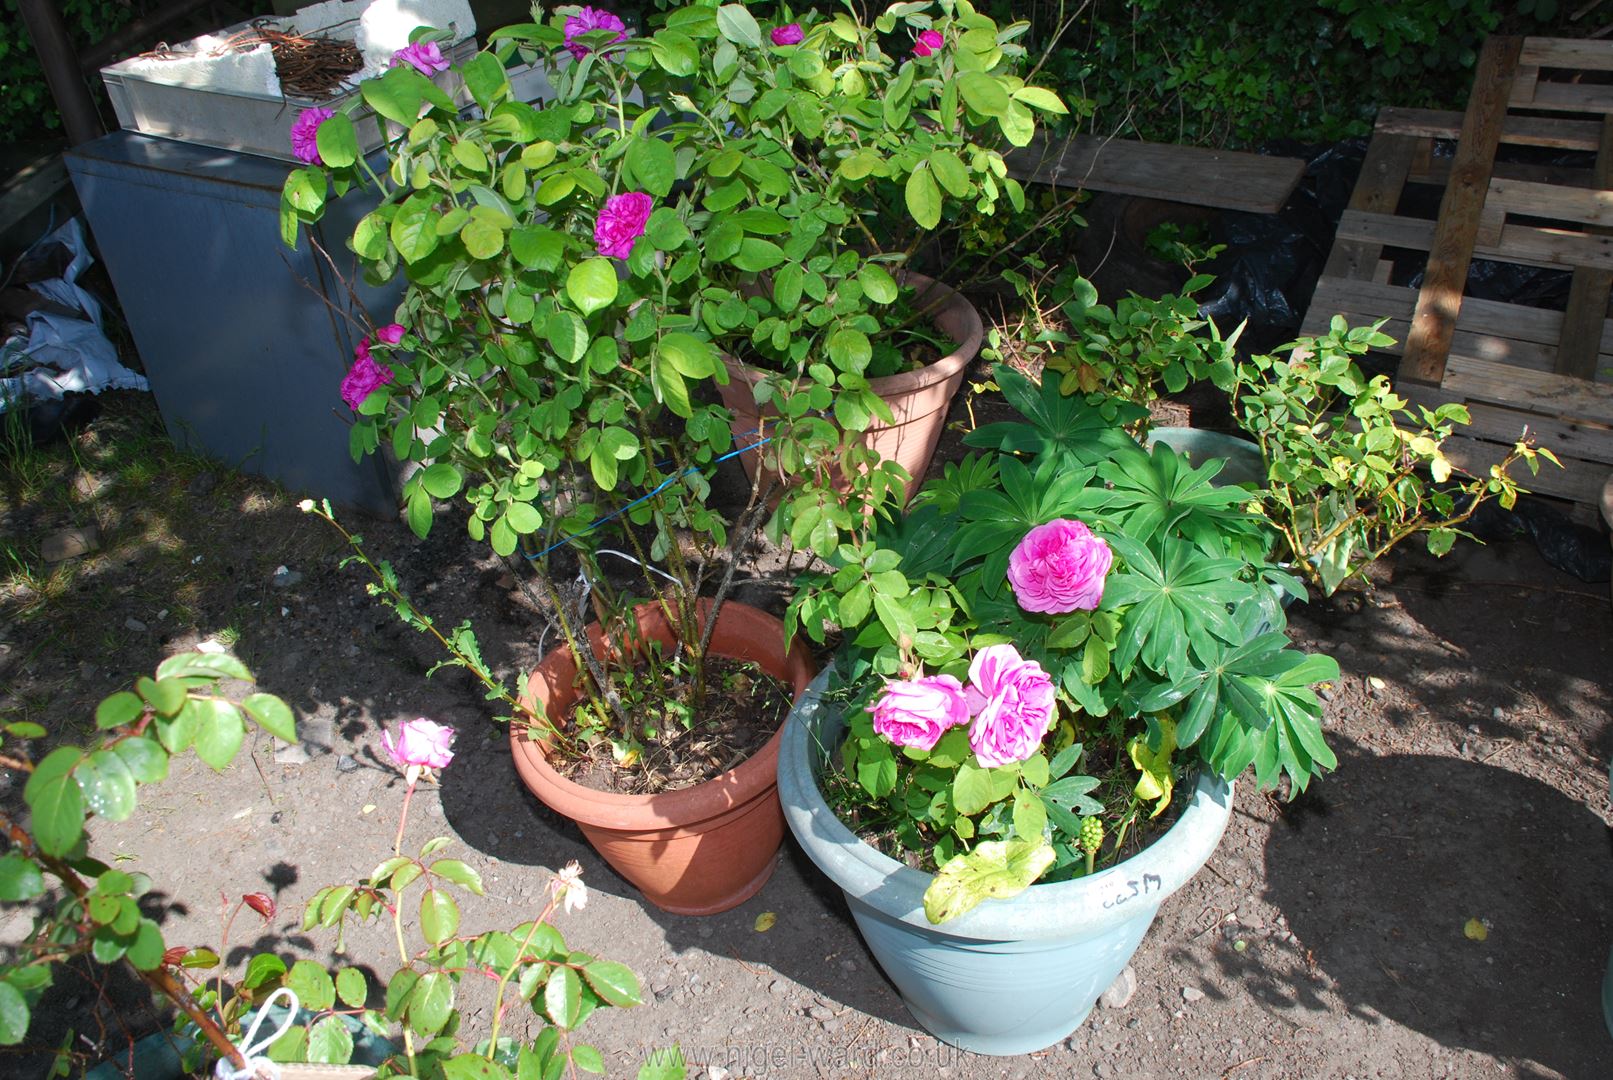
column 1269, row 271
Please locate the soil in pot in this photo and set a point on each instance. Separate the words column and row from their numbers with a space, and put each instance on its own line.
column 695, row 851
column 742, row 708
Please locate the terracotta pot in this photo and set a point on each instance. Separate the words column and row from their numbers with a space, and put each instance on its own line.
column 697, row 851
column 918, row 399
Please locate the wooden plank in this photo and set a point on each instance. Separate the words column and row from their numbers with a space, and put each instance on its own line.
column 1527, row 245
column 1382, row 179
column 1523, row 82
column 1438, row 172
column 1228, row 179
column 1537, row 391
column 1434, row 321
column 1556, row 132
column 1588, row 293
column 1497, row 424
column 1578, row 481
column 1577, row 54
column 1586, row 206
column 1569, row 97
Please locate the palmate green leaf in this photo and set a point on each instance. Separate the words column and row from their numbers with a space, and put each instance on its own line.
column 995, row 868
column 1183, row 599
column 994, row 522
column 1151, row 495
column 1073, row 427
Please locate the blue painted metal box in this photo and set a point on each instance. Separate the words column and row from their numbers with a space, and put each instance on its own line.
column 244, row 340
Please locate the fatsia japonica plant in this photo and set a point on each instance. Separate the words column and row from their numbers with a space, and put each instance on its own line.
column 1049, row 641
column 408, row 1027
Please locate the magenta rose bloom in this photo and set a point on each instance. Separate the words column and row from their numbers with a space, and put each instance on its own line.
column 305, row 134
column 1011, row 699
column 621, row 222
column 789, row 34
column 918, row 712
column 421, row 742
column 928, row 42
column 424, row 56
column 391, row 334
column 364, row 377
column 587, row 20
column 1059, row 567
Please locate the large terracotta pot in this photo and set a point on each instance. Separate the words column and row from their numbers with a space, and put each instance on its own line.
column 697, row 851
column 918, row 399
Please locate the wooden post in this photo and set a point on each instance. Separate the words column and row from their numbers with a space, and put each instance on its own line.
column 66, row 82
column 1587, row 296
column 1433, row 322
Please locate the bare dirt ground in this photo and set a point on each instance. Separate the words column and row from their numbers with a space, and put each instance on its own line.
column 1325, row 939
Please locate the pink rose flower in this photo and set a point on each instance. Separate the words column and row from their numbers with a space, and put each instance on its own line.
column 423, row 743
column 789, row 34
column 622, row 222
column 1011, row 699
column 364, row 377
column 424, row 56
column 928, row 42
column 305, row 134
column 589, row 19
column 391, row 334
column 918, row 712
column 1059, row 567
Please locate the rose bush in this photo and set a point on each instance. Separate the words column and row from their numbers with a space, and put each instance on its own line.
column 1118, row 624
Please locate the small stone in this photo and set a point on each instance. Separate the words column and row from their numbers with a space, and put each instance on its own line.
column 211, row 648
column 88, row 485
column 705, row 930
column 285, row 578
column 848, row 965
column 70, row 544
column 346, row 764
column 716, row 1072
column 778, row 988
column 291, row 755
column 831, row 1025
column 1325, row 693
column 1498, row 713
column 819, row 1013
column 1190, row 994
column 135, row 624
column 1121, row 991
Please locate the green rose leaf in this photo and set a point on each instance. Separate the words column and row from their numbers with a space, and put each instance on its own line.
column 20, row 878
column 652, row 161
column 675, row 52
column 453, row 870
column 119, row 709
column 1041, row 100
column 352, row 988
column 219, row 732
column 441, row 480
column 272, row 715
column 692, row 357
column 414, row 226
column 537, row 247
column 261, row 969
column 562, row 997
column 329, row 1042
column 145, row 952
column 475, row 1067
column 485, row 79
column 13, row 1015
column 167, row 696
column 592, row 285
column 567, row 335
column 312, row 984
column 337, row 141
column 614, row 982
column 994, row 869
column 877, row 283
column 756, row 255
column 923, row 198
column 738, row 25
column 107, row 784
column 482, row 238
column 56, row 803
column 983, row 93
column 439, row 916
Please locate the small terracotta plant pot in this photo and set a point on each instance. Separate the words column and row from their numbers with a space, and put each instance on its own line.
column 697, row 851
column 917, row 399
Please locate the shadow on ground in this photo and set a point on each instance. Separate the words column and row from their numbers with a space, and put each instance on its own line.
column 1379, row 871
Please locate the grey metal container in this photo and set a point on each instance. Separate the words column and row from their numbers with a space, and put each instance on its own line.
column 237, row 120
column 244, row 340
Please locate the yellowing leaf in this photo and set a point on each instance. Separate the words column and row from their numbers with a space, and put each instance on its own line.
column 1475, row 930
column 1156, row 782
column 765, row 921
column 1440, row 468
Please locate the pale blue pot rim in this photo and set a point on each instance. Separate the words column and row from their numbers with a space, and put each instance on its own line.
column 1086, row 904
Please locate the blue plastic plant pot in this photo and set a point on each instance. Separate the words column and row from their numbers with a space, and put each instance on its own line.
column 1012, row 976
column 1244, row 465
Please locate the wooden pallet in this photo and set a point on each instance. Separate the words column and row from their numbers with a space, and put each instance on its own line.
column 1225, row 179
column 1515, row 366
